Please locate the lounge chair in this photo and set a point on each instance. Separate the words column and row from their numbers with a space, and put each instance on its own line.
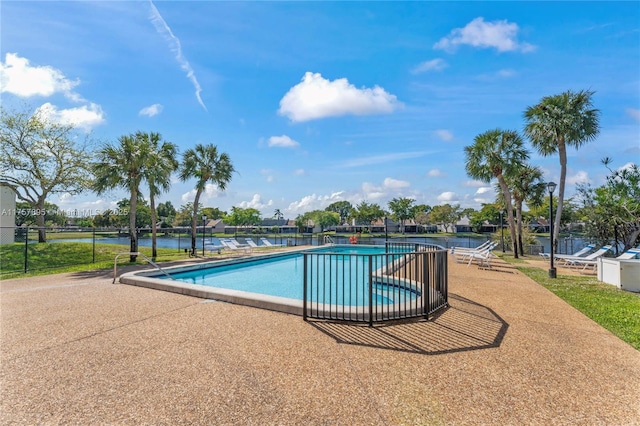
column 468, row 256
column 592, row 264
column 482, row 258
column 476, row 249
column 211, row 248
column 250, row 243
column 567, row 259
column 580, row 253
column 237, row 243
column 233, row 247
column 267, row 243
column 461, row 256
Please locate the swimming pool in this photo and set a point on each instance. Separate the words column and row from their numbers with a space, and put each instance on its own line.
column 283, row 276
column 342, row 282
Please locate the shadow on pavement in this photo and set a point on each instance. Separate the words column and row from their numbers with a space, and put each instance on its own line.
column 464, row 326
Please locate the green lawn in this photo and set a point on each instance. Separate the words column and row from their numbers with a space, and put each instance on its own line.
column 616, row 310
column 47, row 258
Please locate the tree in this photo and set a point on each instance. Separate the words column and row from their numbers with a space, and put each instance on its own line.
column 184, row 214
column 143, row 213
column 488, row 213
column 27, row 215
column 445, row 215
column 166, row 213
column 526, row 184
column 494, row 154
column 212, row 212
column 366, row 214
column 277, row 214
column 243, row 217
column 105, row 219
column 122, row 165
column 612, row 211
column 401, row 209
column 557, row 121
column 39, row 158
column 343, row 208
column 206, row 165
column 160, row 163
column 323, row 218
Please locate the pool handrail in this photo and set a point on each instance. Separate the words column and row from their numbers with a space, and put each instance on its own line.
column 136, row 253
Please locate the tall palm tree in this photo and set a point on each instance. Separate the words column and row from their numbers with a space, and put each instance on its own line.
column 494, row 154
column 557, row 121
column 208, row 166
column 122, row 165
column 526, row 185
column 161, row 162
column 277, row 214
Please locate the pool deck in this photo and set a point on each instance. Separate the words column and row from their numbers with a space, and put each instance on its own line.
column 77, row 349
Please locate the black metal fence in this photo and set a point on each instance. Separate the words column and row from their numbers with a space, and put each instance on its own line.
column 408, row 280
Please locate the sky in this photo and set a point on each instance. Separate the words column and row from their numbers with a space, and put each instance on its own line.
column 318, row 102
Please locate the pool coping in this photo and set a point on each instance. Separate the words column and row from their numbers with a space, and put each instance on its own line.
column 149, row 278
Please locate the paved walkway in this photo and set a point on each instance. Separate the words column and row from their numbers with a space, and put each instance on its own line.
column 77, row 349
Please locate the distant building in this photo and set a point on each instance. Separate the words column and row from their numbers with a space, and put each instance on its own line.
column 7, row 214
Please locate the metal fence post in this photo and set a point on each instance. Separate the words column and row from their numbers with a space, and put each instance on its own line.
column 304, row 288
column 370, row 292
column 26, row 250
column 94, row 244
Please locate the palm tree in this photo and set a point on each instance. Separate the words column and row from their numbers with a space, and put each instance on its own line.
column 277, row 214
column 526, row 184
column 161, row 162
column 207, row 166
column 558, row 121
column 494, row 154
column 122, row 166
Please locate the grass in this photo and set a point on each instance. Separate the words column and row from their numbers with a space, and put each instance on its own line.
column 48, row 258
column 616, row 310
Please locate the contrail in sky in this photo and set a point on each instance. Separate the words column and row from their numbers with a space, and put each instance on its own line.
column 174, row 45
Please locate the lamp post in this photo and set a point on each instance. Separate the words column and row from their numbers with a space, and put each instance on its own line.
column 502, row 229
column 551, row 186
column 204, row 231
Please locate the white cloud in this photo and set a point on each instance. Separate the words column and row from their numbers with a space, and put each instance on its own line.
column 299, row 172
column 385, row 158
column 268, row 174
column 445, row 135
column 210, row 191
column 151, row 110
column 436, row 173
column 85, row 117
column 474, row 183
column 314, row 202
column 579, row 177
column 498, row 75
column 372, row 192
column 634, row 113
column 255, row 203
column 447, row 197
column 390, row 183
column 484, row 190
column 501, row 35
column 19, row 78
column 627, row 166
column 483, row 200
column 437, row 64
column 316, row 97
column 175, row 46
column 283, row 141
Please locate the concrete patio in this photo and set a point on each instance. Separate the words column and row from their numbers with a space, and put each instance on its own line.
column 77, row 349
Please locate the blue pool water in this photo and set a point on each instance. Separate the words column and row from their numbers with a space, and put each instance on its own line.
column 284, row 276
